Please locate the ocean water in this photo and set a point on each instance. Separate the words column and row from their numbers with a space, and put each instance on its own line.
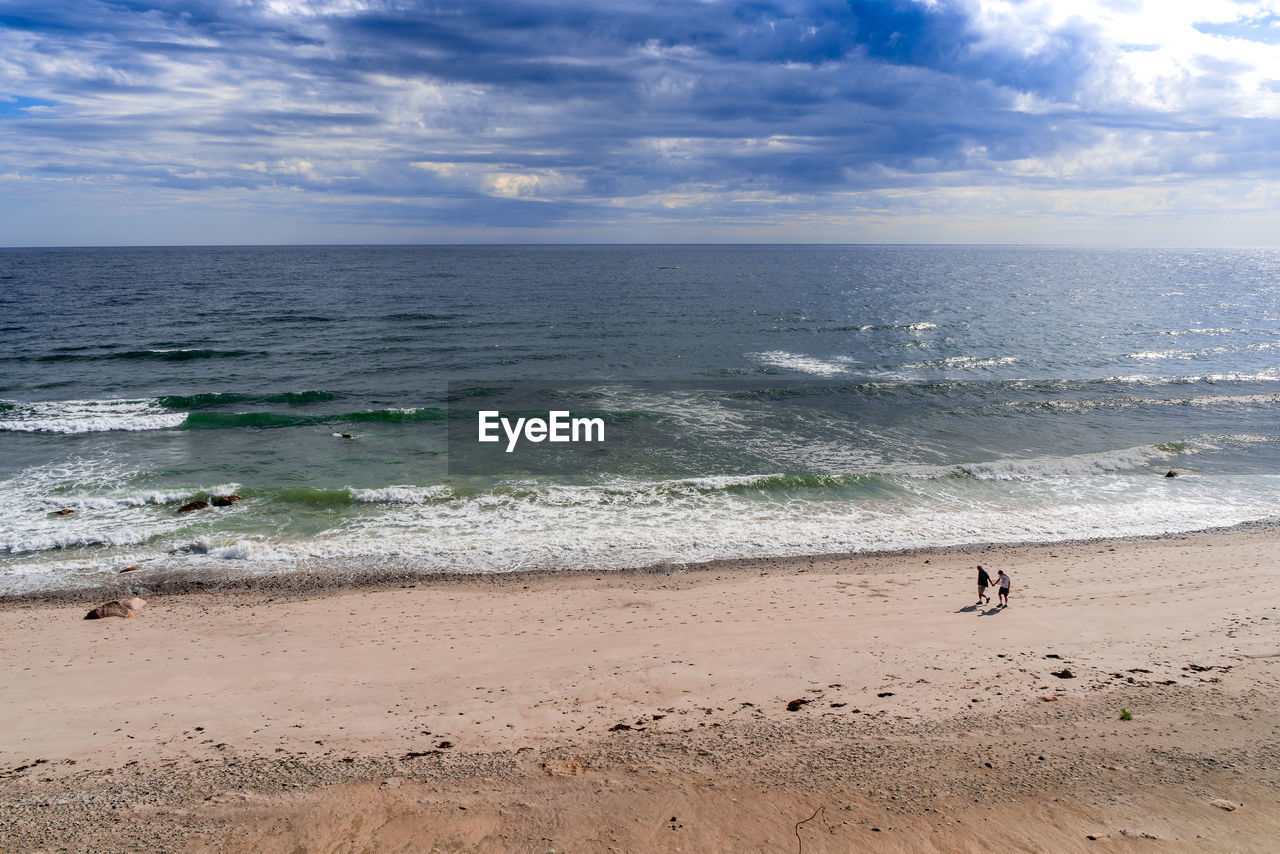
column 783, row 400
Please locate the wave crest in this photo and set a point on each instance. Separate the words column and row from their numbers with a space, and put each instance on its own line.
column 87, row 416
column 400, row 494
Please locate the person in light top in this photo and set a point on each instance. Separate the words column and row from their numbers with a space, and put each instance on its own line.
column 1005, row 584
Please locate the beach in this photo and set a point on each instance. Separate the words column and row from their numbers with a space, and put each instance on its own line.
column 816, row 704
column 528, row 427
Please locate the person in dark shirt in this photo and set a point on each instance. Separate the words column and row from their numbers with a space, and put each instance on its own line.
column 984, row 581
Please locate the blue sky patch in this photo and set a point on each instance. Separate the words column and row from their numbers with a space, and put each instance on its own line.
column 1261, row 28
column 16, row 106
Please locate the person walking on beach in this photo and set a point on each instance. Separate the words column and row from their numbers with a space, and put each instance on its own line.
column 984, row 581
column 1005, row 584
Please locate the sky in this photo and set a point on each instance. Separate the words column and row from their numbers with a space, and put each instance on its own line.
column 1134, row 122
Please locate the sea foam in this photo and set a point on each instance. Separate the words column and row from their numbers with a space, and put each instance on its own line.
column 87, row 416
column 801, row 363
column 400, row 494
column 1074, row 465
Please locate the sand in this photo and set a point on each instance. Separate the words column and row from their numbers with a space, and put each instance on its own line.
column 650, row 711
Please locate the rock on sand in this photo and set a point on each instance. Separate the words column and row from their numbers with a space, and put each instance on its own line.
column 120, row 608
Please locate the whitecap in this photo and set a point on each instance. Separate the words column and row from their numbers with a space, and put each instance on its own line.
column 962, row 362
column 801, row 364
column 1074, row 465
column 87, row 416
column 400, row 494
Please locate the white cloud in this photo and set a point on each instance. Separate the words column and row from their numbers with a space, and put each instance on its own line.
column 315, row 8
column 546, row 184
column 1154, row 56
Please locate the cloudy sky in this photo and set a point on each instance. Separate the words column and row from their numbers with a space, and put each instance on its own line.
column 349, row 121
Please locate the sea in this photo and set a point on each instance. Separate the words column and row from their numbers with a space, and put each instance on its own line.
column 770, row 401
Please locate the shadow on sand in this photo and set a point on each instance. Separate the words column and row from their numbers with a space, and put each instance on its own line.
column 990, row 610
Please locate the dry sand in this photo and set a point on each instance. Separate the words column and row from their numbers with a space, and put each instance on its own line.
column 649, row 712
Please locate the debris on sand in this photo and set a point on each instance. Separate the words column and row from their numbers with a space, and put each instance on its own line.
column 120, row 608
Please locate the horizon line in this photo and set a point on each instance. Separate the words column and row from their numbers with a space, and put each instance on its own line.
column 567, row 244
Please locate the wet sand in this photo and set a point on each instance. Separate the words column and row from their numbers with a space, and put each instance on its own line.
column 824, row 704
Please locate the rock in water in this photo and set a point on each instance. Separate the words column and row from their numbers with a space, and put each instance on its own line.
column 194, row 505
column 225, row 500
column 110, row 609
column 1171, row 473
column 65, row 511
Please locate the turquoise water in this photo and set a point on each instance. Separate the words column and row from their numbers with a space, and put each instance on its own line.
column 773, row 400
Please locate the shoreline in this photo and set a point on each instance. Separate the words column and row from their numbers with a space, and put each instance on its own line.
column 343, row 574
column 707, row 710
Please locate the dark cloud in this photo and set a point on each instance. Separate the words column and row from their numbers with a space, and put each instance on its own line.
column 491, row 111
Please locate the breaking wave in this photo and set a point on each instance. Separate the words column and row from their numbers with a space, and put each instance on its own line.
column 87, row 416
